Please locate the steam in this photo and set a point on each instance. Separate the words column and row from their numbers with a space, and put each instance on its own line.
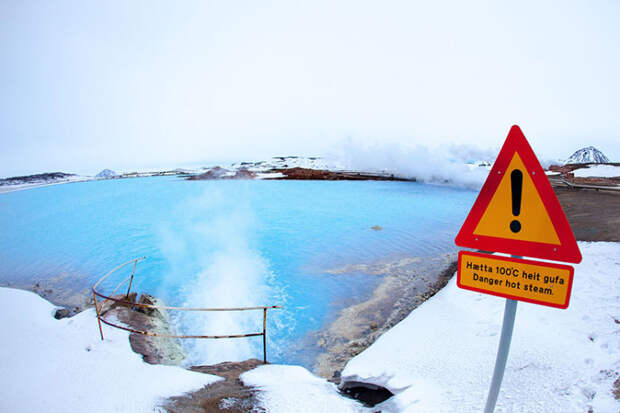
column 215, row 253
column 450, row 165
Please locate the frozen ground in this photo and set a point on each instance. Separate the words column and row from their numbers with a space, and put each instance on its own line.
column 441, row 357
column 287, row 389
column 601, row 171
column 49, row 365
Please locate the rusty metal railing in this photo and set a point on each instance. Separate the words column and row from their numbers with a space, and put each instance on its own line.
column 111, row 298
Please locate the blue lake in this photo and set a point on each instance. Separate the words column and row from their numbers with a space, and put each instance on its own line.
column 227, row 243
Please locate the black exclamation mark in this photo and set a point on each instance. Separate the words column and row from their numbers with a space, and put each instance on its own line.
column 516, row 183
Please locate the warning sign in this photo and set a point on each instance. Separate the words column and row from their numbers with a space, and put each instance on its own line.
column 517, row 211
column 532, row 281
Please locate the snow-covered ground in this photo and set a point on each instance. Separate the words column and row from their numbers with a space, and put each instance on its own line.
column 601, row 171
column 286, row 389
column 441, row 357
column 49, row 365
column 284, row 162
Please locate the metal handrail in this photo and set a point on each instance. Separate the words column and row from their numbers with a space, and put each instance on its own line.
column 107, row 298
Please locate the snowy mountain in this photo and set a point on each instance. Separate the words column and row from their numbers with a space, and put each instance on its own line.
column 587, row 155
column 106, row 173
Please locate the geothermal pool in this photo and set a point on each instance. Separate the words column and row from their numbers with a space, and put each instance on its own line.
column 227, row 244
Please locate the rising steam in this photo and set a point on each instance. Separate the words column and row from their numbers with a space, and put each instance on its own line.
column 445, row 165
column 225, row 271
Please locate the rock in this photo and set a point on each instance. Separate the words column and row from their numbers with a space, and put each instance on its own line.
column 217, row 172
column 367, row 393
column 154, row 350
column 244, row 174
column 148, row 300
column 61, row 313
column 221, row 173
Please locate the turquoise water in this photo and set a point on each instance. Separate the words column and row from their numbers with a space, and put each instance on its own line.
column 227, row 243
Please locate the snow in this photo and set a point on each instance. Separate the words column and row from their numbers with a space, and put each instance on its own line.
column 587, row 155
column 286, row 389
column 106, row 173
column 441, row 357
column 283, row 162
column 605, row 171
column 63, row 366
column 269, row 175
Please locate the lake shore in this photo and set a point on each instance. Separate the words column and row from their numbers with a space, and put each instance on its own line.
column 407, row 283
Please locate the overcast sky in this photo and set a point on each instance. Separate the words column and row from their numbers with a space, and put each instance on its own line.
column 136, row 84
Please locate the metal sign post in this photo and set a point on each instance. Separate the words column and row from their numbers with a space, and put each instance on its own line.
column 502, row 354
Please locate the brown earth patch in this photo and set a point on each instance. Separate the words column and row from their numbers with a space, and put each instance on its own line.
column 325, row 175
column 229, row 395
column 593, row 215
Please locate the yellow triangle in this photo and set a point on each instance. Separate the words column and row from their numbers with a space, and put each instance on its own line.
column 535, row 223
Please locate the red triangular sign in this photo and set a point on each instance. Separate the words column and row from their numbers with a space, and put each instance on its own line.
column 517, row 211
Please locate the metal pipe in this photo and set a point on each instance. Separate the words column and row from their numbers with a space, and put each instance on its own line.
column 131, row 280
column 148, row 333
column 98, row 316
column 163, row 307
column 264, row 336
column 116, row 268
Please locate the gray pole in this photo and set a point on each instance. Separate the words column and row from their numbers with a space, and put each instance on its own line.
column 502, row 354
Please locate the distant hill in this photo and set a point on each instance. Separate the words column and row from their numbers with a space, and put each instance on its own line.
column 106, row 173
column 38, row 178
column 587, row 155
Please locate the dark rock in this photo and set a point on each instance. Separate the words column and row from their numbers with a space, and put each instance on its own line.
column 62, row 313
column 367, row 393
column 244, row 174
column 216, row 172
column 154, row 349
column 147, row 300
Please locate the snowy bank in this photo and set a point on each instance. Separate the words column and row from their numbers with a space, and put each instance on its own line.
column 603, row 171
column 63, row 366
column 441, row 357
column 286, row 389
